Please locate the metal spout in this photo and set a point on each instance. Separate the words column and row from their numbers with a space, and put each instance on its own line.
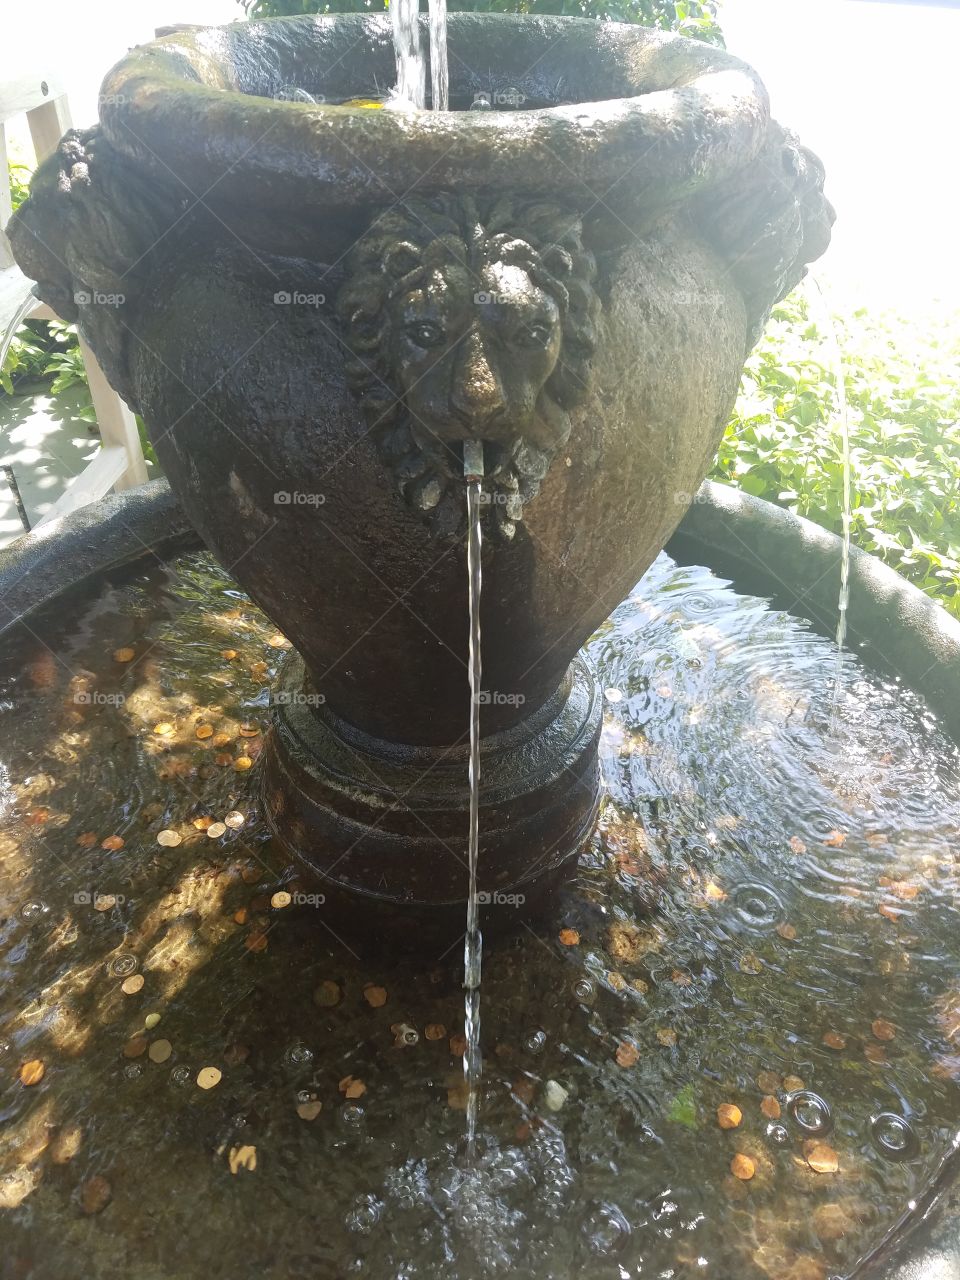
column 472, row 460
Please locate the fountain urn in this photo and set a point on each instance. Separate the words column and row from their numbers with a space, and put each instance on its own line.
column 315, row 304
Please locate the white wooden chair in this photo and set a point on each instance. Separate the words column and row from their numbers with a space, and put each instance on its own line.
column 120, row 463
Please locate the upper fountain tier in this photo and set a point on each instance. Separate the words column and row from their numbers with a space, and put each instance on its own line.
column 633, row 119
column 314, row 305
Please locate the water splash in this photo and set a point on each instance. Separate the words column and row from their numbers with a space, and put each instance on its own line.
column 894, row 1136
column 811, row 1113
column 473, row 941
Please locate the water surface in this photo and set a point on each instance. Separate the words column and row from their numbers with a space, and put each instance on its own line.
column 762, row 886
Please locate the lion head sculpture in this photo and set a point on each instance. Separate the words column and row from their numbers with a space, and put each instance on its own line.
column 463, row 320
column 461, row 317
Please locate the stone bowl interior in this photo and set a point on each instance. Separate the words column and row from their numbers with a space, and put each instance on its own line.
column 613, row 105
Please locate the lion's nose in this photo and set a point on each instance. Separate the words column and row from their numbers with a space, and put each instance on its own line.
column 477, row 395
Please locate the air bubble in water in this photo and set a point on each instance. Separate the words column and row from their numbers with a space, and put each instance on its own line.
column 351, row 1116
column 304, row 1096
column 132, row 1070
column 606, row 1229
column 481, row 102
column 365, row 1214
column 33, row 910
column 298, row 1055
column 123, row 965
column 894, row 1137
column 810, row 1112
column 585, row 991
column 181, row 1075
column 535, row 1041
column 778, row 1135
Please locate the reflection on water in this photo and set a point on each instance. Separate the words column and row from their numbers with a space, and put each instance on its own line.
column 731, row 1050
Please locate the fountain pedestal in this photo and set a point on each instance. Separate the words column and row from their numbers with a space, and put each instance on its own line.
column 385, row 824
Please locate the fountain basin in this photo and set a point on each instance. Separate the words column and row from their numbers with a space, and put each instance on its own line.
column 121, row 540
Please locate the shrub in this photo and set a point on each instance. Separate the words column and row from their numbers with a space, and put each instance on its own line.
column 784, row 442
column 697, row 18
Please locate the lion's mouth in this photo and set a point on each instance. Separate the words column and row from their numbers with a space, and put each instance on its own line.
column 447, row 456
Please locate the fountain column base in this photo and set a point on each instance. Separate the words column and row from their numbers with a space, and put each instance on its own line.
column 382, row 827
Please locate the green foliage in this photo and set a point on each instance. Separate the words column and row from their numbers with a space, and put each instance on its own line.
column 145, row 445
column 19, row 184
column 785, row 444
column 43, row 349
column 697, row 18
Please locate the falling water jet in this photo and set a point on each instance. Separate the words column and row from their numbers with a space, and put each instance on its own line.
column 411, row 73
column 840, row 389
column 439, row 76
column 473, row 940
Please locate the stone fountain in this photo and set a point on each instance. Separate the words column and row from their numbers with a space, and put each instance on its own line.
column 314, row 305
column 320, row 309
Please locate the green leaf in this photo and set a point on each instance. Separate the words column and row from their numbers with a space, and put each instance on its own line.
column 683, row 1109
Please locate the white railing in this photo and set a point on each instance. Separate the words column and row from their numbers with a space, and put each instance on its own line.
column 120, row 463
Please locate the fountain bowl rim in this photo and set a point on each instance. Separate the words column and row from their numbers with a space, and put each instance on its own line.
column 190, row 109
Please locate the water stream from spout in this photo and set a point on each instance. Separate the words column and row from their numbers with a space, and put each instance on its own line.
column 439, row 75
column 846, row 500
column 411, row 90
column 473, row 941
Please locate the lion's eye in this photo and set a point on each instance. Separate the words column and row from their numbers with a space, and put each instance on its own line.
column 534, row 335
column 425, row 334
